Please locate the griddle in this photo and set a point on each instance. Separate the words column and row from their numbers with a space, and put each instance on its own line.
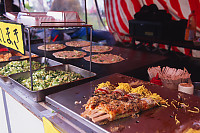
column 158, row 119
column 133, row 60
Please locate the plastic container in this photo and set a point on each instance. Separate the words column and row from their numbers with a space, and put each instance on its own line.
column 186, row 88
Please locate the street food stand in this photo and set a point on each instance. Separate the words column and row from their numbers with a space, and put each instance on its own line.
column 102, row 70
column 39, row 24
column 63, row 104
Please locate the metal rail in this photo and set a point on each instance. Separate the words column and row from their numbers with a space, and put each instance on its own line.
column 29, row 44
column 76, row 116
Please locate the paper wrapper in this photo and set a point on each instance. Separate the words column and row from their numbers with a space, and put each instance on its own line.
column 153, row 72
column 170, row 77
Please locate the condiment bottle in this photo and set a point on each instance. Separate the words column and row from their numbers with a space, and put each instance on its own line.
column 190, row 32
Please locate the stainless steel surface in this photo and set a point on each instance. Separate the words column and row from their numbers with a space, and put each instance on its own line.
column 76, row 116
column 40, row 95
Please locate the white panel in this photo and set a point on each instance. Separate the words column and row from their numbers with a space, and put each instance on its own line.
column 21, row 119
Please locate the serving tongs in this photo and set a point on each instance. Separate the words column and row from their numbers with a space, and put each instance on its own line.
column 15, row 58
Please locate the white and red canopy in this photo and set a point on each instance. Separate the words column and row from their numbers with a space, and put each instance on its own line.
column 118, row 12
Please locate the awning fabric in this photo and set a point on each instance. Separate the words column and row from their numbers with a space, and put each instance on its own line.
column 118, row 12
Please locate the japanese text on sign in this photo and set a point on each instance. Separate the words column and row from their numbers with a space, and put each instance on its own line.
column 11, row 36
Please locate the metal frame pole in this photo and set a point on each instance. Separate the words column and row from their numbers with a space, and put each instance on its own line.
column 45, row 55
column 45, row 46
column 90, row 49
column 86, row 20
column 86, row 12
column 29, row 44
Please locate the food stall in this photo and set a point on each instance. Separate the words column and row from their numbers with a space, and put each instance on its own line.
column 114, row 76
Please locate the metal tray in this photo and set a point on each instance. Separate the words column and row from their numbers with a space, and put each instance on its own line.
column 37, row 59
column 40, row 95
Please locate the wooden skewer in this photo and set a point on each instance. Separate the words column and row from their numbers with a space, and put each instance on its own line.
column 97, row 114
column 100, row 118
column 85, row 113
column 92, row 112
column 88, row 112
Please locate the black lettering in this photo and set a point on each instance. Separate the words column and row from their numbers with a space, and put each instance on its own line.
column 2, row 37
column 16, row 45
column 16, row 34
column 8, row 34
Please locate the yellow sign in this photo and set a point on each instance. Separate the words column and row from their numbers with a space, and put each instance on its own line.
column 11, row 36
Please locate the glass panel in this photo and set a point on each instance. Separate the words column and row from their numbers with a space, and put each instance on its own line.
column 37, row 5
column 71, row 5
column 55, row 5
column 93, row 16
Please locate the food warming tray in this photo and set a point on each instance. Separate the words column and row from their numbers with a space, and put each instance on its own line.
column 41, row 60
column 158, row 119
column 40, row 95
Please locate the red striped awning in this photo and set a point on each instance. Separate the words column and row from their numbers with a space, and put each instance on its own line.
column 118, row 12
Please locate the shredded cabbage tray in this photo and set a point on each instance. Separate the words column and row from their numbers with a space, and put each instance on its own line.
column 43, row 79
column 19, row 66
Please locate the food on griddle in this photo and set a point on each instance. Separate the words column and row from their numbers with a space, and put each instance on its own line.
column 19, row 66
column 117, row 128
column 106, row 84
column 78, row 43
column 69, row 54
column 98, row 49
column 43, row 79
column 105, row 58
column 52, row 47
column 108, row 104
